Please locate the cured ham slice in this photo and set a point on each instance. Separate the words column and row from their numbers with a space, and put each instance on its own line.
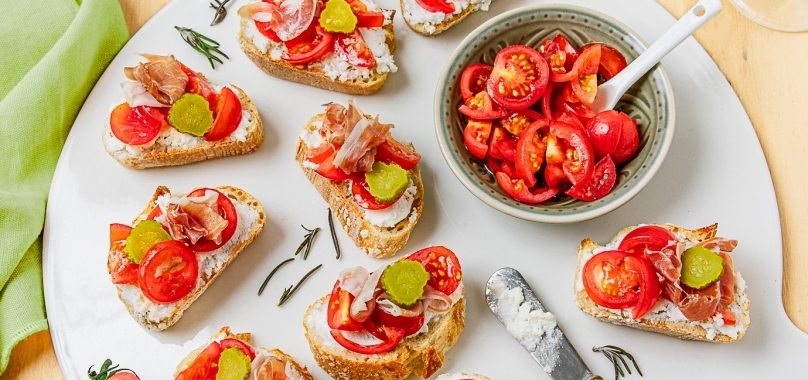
column 699, row 304
column 268, row 368
column 161, row 76
column 287, row 18
column 365, row 136
column 364, row 303
column 260, row 11
column 334, row 124
column 195, row 218
column 435, row 300
column 719, row 244
column 727, row 281
column 668, row 261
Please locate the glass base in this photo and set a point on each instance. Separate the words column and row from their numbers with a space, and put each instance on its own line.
column 783, row 15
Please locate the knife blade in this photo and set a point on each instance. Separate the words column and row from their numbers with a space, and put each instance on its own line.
column 551, row 349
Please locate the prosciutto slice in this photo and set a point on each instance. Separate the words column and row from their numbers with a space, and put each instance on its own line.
column 334, row 124
column 719, row 244
column 699, row 304
column 268, row 368
column 364, row 303
column 383, row 302
column 260, row 11
column 195, row 218
column 668, row 261
column 435, row 300
column 727, row 282
column 365, row 136
column 161, row 76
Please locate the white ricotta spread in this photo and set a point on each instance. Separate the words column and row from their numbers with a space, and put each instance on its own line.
column 416, row 14
column 390, row 216
column 460, row 376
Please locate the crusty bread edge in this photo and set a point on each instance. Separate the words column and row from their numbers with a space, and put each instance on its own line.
column 447, row 23
column 234, row 193
column 469, row 375
column 685, row 330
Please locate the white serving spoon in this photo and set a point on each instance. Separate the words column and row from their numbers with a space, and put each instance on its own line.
column 611, row 91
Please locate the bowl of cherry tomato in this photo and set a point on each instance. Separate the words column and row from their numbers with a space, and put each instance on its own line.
column 513, row 117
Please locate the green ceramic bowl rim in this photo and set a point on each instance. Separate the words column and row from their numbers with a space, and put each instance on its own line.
column 442, row 129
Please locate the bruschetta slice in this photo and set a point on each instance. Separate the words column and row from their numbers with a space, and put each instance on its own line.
column 432, row 17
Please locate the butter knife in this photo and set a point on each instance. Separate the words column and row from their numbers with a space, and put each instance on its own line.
column 537, row 332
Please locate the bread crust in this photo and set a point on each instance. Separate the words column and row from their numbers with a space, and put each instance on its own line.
column 447, row 23
column 312, row 76
column 236, row 195
column 375, row 241
column 463, row 375
column 686, row 330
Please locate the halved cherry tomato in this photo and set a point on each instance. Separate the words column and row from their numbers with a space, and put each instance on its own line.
column 410, row 325
column 653, row 238
column 578, row 163
column 227, row 115
column 649, row 287
column 363, row 197
column 601, row 183
column 482, row 107
column 265, row 28
column 168, row 271
column 517, row 189
column 611, row 62
column 227, row 210
column 497, row 135
column 474, row 78
column 610, row 282
column 629, row 141
column 136, row 126
column 121, row 269
column 308, row 47
column 475, row 137
column 328, row 170
column 369, row 19
column 442, row 265
column 354, row 48
column 392, row 151
column 394, row 337
column 530, row 150
column 519, row 77
column 319, row 154
column 566, row 47
column 118, row 232
column 339, row 310
column 435, row 6
column 506, row 148
column 585, row 83
column 604, row 132
column 519, row 120
column 554, row 177
column 205, row 365
column 556, row 58
column 200, row 86
column 507, row 168
column 244, row 347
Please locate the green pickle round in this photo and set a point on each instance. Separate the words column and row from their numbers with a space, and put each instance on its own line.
column 337, row 17
column 233, row 365
column 191, row 114
column 701, row 267
column 404, row 282
column 387, row 182
column 145, row 234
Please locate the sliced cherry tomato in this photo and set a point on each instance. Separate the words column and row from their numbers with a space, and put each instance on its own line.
column 244, row 347
column 374, row 329
column 530, row 150
column 601, row 183
column 571, row 119
column 609, row 282
column 135, row 126
column 649, row 285
column 357, row 6
column 547, row 99
column 497, row 135
column 328, row 170
column 205, row 365
column 584, row 113
column 604, row 132
column 653, row 238
column 118, row 232
column 566, row 47
column 611, row 62
column 629, row 141
column 506, row 148
column 554, row 177
column 392, row 151
column 227, row 115
column 227, row 210
column 308, row 47
column 585, row 83
column 517, row 189
column 354, row 48
column 121, row 269
column 265, row 28
column 339, row 310
column 578, row 163
column 482, row 107
column 519, row 120
column 476, row 136
column 319, row 154
column 198, row 85
column 474, row 78
column 436, row 6
column 369, row 19
column 168, row 271
column 556, row 58
column 363, row 197
column 442, row 265
column 410, row 325
column 394, row 337
column 519, row 77
column 508, row 168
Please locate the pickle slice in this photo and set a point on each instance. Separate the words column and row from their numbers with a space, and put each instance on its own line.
column 337, row 17
column 701, row 267
column 387, row 182
column 145, row 234
column 233, row 365
column 191, row 114
column 404, row 282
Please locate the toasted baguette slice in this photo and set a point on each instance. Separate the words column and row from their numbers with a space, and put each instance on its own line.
column 375, row 241
column 422, row 354
column 175, row 148
column 430, row 24
column 462, row 376
column 310, row 74
column 293, row 370
column 658, row 320
column 251, row 220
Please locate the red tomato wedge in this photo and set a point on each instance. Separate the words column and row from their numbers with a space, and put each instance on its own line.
column 363, row 197
column 118, row 233
column 579, row 162
column 328, row 170
column 556, row 58
column 168, row 271
column 482, row 107
column 585, row 83
column 474, row 78
column 244, row 347
column 410, row 325
column 227, row 115
column 508, row 169
column 369, row 19
column 435, row 6
column 136, row 126
column 601, row 183
column 309, row 46
column 570, row 51
column 517, row 121
column 339, row 310
column 442, row 265
column 629, row 141
column 611, row 62
column 394, row 337
column 204, row 366
column 354, row 48
column 554, row 177
column 517, row 189
column 200, row 86
column 476, row 136
column 604, row 132
column 653, row 238
column 120, row 268
column 519, row 77
column 319, row 154
column 392, row 151
column 530, row 150
column 228, row 211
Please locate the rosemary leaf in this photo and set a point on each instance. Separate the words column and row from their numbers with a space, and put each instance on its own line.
column 311, row 239
column 306, row 240
column 616, row 356
column 288, row 292
column 203, row 44
column 264, row 285
column 333, row 233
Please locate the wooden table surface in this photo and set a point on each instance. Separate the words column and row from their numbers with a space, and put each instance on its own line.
column 758, row 62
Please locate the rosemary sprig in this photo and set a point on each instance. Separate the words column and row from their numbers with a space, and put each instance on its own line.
column 287, row 293
column 266, row 280
column 106, row 371
column 615, row 355
column 307, row 240
column 221, row 12
column 333, row 233
column 203, row 44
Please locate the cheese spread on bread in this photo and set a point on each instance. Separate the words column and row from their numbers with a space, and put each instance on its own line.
column 416, row 14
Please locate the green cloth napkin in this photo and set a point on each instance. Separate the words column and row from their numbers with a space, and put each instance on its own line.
column 51, row 54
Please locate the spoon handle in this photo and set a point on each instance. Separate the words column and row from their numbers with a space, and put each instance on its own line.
column 694, row 18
